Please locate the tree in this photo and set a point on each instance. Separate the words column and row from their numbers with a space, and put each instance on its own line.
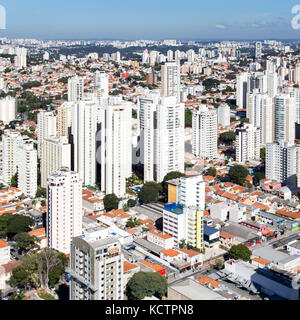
column 150, row 192
column 212, row 171
column 146, row 284
column 263, row 154
column 131, row 203
column 219, row 264
column 188, row 118
column 41, row 192
column 227, row 137
column 14, row 180
column 18, row 224
column 111, row 202
column 238, row 174
column 182, row 244
column 24, row 241
column 257, row 177
column 132, row 223
column 240, row 251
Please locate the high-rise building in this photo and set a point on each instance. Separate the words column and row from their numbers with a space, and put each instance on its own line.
column 170, row 80
column 241, row 89
column 260, row 112
column 162, row 138
column 27, row 168
column 96, row 268
column 224, row 115
column 258, row 50
column 272, row 83
column 56, row 154
column 7, row 109
column 188, row 191
column 205, row 133
column 170, row 55
column 247, row 144
column 21, row 58
column 64, row 209
column 46, row 127
column 101, row 83
column 184, row 223
column 11, row 141
column 84, row 129
column 115, row 152
column 284, row 118
column 75, row 89
column 283, row 163
column 64, row 118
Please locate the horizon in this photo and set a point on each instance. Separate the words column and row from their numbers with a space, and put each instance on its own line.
column 134, row 20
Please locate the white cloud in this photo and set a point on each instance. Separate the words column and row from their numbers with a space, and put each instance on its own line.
column 220, row 26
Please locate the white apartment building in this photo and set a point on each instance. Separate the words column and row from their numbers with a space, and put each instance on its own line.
column 247, row 144
column 162, row 138
column 101, row 82
column 161, row 239
column 21, row 58
column 27, row 168
column 191, row 191
column 11, row 141
column 46, row 127
column 205, row 133
column 64, row 209
column 96, row 268
column 282, row 163
column 75, row 89
column 115, row 156
column 260, row 112
column 7, row 109
column 170, row 80
column 64, row 118
column 224, row 115
column 56, row 154
column 284, row 118
column 184, row 223
column 84, row 131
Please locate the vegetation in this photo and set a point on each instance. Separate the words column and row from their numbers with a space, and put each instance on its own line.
column 263, row 154
column 11, row 225
column 150, row 192
column 36, row 270
column 212, row 171
column 238, row 174
column 111, row 202
column 257, row 177
column 219, row 264
column 14, row 180
column 131, row 203
column 132, row 223
column 227, row 137
column 240, row 251
column 146, row 284
column 170, row 176
column 24, row 241
column 188, row 118
column 41, row 192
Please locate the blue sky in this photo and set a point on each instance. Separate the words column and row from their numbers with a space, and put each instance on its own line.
column 151, row 19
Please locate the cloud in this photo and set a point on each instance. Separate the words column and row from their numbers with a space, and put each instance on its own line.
column 220, row 26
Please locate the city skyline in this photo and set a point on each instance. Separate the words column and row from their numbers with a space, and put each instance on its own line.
column 198, row 21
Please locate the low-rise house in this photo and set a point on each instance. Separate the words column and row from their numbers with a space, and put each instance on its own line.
column 4, row 252
column 161, row 239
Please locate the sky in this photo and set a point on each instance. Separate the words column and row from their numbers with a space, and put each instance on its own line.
column 150, row 19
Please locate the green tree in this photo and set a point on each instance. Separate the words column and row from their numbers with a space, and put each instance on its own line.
column 182, row 244
column 212, row 171
column 18, row 224
column 263, row 154
column 131, row 203
column 219, row 264
column 238, row 174
column 14, row 180
column 111, row 201
column 150, row 192
column 146, row 284
column 227, row 137
column 240, row 251
column 24, row 241
column 257, row 177
column 41, row 192
column 188, row 118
